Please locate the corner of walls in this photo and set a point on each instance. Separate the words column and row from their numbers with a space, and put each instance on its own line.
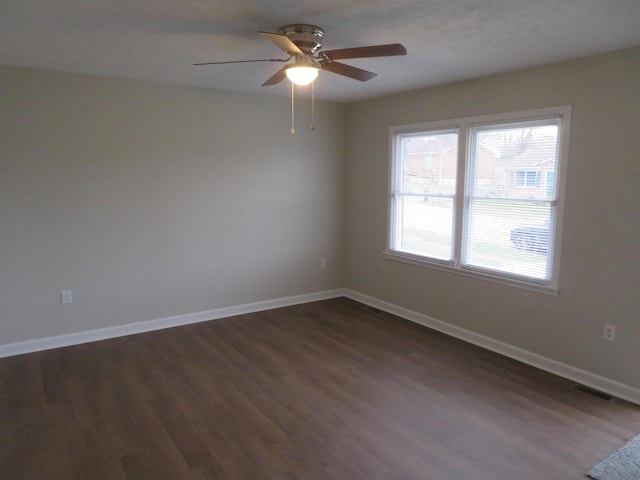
column 599, row 269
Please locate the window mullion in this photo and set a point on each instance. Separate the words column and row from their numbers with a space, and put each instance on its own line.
column 460, row 198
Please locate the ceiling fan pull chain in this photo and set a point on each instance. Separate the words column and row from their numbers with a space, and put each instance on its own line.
column 293, row 129
column 313, row 104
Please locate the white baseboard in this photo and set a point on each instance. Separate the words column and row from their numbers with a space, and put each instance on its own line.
column 40, row 344
column 578, row 375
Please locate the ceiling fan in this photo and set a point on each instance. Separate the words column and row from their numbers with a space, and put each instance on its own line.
column 303, row 44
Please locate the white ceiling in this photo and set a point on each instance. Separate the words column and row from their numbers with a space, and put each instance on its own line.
column 447, row 40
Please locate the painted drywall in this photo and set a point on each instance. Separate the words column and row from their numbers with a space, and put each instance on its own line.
column 600, row 265
column 149, row 201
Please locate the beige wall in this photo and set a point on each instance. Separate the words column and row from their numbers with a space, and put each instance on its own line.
column 600, row 263
column 149, row 201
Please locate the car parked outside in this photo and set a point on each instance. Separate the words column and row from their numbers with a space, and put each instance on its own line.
column 533, row 238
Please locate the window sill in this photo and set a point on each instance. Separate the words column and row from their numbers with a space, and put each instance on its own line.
column 470, row 272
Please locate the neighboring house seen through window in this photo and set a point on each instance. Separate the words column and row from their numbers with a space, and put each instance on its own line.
column 481, row 196
column 528, row 179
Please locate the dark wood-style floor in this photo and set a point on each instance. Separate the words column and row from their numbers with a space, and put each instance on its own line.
column 328, row 390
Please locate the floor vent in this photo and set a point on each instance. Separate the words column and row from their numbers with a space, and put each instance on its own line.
column 374, row 309
column 594, row 393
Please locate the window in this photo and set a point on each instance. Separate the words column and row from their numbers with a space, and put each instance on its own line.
column 527, row 179
column 481, row 196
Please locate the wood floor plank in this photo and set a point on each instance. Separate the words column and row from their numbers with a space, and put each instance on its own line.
column 325, row 390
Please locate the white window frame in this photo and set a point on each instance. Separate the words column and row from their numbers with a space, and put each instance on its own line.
column 463, row 126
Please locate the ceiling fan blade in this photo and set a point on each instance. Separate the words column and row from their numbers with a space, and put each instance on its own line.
column 389, row 50
column 243, row 61
column 282, row 42
column 276, row 78
column 348, row 71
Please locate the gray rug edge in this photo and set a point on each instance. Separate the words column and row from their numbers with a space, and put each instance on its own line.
column 623, row 464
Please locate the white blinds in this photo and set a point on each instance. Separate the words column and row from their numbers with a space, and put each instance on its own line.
column 424, row 190
column 510, row 198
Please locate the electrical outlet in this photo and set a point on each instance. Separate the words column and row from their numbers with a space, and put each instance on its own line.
column 323, row 263
column 65, row 297
column 609, row 332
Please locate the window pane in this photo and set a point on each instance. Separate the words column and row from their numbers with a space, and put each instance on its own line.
column 429, row 162
column 509, row 236
column 424, row 226
column 512, row 172
column 425, row 184
column 514, row 161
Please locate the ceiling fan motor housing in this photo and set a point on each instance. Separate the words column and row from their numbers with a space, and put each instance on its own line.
column 307, row 38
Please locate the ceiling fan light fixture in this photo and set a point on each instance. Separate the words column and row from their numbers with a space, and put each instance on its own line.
column 301, row 75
